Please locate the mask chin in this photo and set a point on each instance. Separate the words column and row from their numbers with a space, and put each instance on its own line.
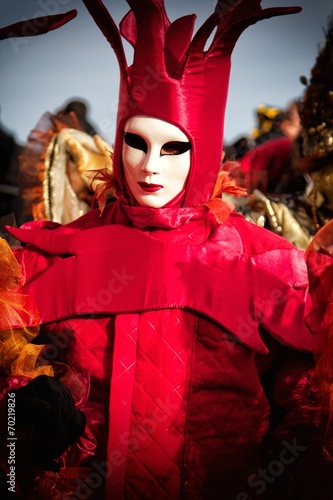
column 177, row 201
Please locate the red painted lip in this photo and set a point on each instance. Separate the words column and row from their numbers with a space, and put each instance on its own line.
column 150, row 188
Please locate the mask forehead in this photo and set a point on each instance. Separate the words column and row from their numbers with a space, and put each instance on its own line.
column 154, row 130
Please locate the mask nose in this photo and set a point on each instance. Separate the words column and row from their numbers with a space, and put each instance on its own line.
column 151, row 163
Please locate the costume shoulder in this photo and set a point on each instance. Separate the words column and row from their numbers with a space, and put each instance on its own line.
column 257, row 240
column 272, row 254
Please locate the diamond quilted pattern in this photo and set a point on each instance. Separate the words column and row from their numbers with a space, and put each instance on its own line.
column 160, row 395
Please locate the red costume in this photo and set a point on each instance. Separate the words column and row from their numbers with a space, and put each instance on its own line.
column 272, row 160
column 179, row 313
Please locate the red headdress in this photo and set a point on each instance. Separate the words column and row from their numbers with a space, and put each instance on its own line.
column 175, row 78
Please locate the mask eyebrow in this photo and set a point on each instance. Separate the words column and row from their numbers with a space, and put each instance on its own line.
column 135, row 141
column 175, row 148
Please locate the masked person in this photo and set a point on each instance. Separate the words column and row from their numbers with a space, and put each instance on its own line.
column 173, row 309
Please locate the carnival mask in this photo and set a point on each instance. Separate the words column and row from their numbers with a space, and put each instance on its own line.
column 156, row 160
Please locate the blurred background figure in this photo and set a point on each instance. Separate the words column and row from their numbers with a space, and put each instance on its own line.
column 267, row 127
column 290, row 124
column 80, row 108
column 239, row 147
column 268, row 119
column 267, row 166
column 58, row 164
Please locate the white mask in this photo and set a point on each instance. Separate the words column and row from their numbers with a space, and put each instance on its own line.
column 156, row 160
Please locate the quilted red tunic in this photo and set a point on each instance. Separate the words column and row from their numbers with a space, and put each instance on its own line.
column 176, row 327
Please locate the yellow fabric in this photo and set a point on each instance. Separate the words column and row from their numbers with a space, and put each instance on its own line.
column 27, row 363
column 16, row 309
column 12, row 342
column 87, row 152
column 19, row 321
column 71, row 162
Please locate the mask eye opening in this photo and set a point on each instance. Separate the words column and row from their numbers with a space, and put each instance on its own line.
column 135, row 141
column 175, row 148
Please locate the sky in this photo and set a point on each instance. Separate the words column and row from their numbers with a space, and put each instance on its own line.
column 40, row 74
